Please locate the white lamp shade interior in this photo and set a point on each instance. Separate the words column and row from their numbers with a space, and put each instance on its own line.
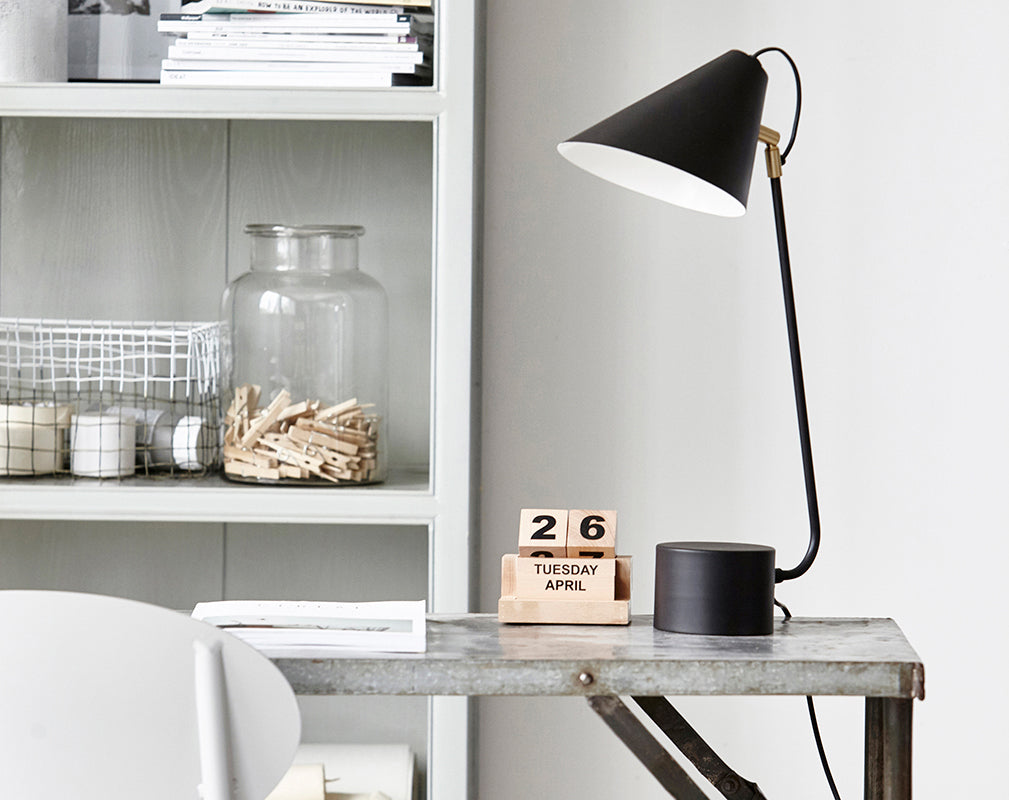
column 650, row 177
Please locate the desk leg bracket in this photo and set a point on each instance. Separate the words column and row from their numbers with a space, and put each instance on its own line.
column 657, row 759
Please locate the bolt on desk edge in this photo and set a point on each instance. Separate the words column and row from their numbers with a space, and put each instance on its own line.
column 474, row 654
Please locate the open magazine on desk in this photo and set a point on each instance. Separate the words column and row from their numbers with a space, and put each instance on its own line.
column 309, row 629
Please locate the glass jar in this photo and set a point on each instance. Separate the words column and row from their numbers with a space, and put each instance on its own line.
column 304, row 361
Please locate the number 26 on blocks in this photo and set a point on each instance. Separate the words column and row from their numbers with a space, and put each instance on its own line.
column 561, row 533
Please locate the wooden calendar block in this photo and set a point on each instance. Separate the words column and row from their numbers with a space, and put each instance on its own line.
column 622, row 591
column 516, row 609
column 565, row 578
column 592, row 534
column 543, row 532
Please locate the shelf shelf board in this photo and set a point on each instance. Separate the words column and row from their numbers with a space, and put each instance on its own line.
column 404, row 499
column 152, row 100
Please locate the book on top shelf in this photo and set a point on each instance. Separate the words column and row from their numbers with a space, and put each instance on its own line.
column 392, row 44
column 289, row 6
column 264, row 79
column 379, row 59
column 391, row 24
column 285, row 66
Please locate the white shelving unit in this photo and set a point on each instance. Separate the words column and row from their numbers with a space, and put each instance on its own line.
column 229, row 149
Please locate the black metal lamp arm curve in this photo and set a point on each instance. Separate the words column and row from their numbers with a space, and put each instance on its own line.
column 774, row 173
column 798, row 385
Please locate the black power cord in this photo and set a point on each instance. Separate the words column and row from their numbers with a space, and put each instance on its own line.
column 819, row 748
column 798, row 96
column 815, row 725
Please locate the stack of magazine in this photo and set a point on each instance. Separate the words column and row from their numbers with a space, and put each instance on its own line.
column 289, row 43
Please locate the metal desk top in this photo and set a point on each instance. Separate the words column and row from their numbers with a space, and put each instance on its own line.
column 474, row 654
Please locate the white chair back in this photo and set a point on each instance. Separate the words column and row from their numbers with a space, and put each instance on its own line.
column 103, row 698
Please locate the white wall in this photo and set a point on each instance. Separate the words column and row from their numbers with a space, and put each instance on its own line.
column 635, row 358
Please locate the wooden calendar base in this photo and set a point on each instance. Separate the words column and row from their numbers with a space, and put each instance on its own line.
column 565, row 611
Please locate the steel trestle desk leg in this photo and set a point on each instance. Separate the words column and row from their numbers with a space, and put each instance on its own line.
column 640, row 741
column 730, row 783
column 658, row 760
column 888, row 748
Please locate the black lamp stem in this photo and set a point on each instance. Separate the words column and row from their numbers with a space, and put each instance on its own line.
column 800, row 391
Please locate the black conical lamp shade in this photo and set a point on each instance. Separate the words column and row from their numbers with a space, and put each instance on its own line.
column 691, row 143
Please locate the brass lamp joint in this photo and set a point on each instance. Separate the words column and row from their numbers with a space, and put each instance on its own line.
column 772, row 155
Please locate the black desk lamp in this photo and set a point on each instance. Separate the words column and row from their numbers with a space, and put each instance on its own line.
column 692, row 143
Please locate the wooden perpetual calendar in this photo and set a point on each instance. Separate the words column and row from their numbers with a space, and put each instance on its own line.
column 566, row 570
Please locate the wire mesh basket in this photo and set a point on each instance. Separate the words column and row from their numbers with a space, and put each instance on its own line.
column 109, row 399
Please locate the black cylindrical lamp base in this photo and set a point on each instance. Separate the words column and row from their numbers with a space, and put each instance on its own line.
column 717, row 588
